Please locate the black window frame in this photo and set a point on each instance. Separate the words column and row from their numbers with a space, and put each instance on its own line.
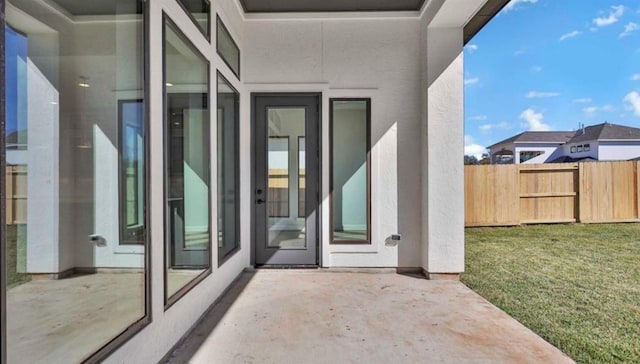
column 332, row 240
column 586, row 148
column 224, row 59
column 573, row 149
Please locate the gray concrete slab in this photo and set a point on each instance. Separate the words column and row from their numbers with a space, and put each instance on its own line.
column 287, row 316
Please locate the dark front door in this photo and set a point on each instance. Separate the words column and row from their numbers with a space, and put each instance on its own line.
column 286, row 134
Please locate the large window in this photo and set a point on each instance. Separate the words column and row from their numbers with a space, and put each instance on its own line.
column 350, row 171
column 228, row 170
column 187, row 154
column 76, row 251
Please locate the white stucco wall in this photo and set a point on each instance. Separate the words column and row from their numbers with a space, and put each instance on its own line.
column 372, row 56
column 42, row 173
column 617, row 150
column 443, row 210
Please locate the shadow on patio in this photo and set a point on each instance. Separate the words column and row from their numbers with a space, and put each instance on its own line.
column 288, row 316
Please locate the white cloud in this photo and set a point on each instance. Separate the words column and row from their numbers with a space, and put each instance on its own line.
column 536, row 69
column 614, row 15
column 519, row 52
column 487, row 127
column 538, row 94
column 471, row 148
column 471, row 81
column 478, row 117
column 572, row 34
column 583, row 100
column 633, row 98
column 534, row 120
column 591, row 110
column 471, row 47
column 635, row 77
column 629, row 28
column 513, row 3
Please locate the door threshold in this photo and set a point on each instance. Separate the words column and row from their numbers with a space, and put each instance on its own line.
column 287, row 266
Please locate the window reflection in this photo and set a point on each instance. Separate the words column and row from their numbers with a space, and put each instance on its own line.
column 350, row 171
column 75, row 165
column 199, row 10
column 131, row 171
column 227, row 48
column 286, row 126
column 301, row 177
column 187, row 162
column 228, row 169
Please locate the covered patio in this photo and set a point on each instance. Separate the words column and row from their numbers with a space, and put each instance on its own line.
column 363, row 316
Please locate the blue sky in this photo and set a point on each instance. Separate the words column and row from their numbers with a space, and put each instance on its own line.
column 552, row 65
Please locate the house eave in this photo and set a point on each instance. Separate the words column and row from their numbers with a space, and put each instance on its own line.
column 516, row 144
column 490, row 9
column 616, row 140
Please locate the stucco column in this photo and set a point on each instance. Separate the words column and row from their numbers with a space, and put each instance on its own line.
column 443, row 175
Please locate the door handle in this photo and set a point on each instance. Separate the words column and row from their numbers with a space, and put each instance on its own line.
column 260, row 201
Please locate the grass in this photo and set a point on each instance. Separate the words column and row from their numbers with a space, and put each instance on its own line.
column 577, row 286
column 13, row 277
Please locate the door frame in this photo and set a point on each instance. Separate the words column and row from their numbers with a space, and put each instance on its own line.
column 252, row 171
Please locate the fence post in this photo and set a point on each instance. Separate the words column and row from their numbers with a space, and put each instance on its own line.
column 580, row 191
column 638, row 189
column 517, row 194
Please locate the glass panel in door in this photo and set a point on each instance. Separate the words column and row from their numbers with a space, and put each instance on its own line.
column 286, row 227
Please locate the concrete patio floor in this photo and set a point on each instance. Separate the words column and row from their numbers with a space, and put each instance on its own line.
column 316, row 316
column 65, row 320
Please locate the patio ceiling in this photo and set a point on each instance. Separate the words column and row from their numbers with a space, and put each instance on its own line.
column 473, row 26
column 278, row 6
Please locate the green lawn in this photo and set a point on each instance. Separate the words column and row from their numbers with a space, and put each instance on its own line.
column 13, row 277
column 577, row 286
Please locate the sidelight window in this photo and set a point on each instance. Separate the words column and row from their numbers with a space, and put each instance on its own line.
column 350, row 134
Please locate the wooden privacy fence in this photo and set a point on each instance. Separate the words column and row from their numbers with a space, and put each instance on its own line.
column 503, row 195
column 16, row 194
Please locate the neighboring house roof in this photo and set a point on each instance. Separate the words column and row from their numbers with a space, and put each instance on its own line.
column 556, row 137
column 606, row 131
